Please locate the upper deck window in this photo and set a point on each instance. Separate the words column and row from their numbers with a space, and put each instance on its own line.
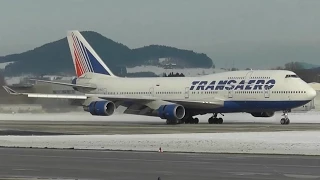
column 292, row 76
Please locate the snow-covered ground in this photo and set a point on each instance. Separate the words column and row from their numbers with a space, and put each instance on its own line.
column 306, row 142
column 3, row 65
column 293, row 142
column 304, row 117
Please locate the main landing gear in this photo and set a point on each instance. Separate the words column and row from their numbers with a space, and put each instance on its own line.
column 191, row 120
column 187, row 120
column 215, row 120
column 285, row 119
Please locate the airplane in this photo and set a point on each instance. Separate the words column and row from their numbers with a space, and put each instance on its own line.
column 178, row 99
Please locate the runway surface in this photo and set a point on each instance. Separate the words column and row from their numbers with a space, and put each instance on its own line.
column 99, row 127
column 72, row 164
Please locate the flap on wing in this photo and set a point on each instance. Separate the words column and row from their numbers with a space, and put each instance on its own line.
column 124, row 98
column 56, row 96
column 199, row 104
column 67, row 84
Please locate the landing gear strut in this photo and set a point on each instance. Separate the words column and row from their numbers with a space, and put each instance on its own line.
column 285, row 119
column 215, row 120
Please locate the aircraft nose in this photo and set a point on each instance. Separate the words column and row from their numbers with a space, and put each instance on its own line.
column 311, row 93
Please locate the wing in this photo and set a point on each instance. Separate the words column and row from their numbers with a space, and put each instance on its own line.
column 39, row 95
column 142, row 105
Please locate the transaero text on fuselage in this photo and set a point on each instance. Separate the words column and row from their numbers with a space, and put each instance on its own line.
column 252, row 84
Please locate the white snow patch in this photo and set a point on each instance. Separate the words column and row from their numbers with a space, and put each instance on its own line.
column 3, row 65
column 293, row 142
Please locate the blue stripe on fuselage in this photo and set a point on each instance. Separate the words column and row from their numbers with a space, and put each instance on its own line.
column 254, row 106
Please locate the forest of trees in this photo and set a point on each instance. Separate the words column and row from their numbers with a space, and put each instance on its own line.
column 173, row 75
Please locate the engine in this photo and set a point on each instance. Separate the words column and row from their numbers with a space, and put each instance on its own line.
column 171, row 111
column 262, row 114
column 101, row 108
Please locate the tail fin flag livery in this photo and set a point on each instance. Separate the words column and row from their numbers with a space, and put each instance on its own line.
column 85, row 59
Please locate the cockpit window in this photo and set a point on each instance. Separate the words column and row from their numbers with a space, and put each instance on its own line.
column 292, row 76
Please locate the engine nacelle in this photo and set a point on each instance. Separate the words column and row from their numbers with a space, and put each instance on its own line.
column 101, row 108
column 171, row 111
column 262, row 114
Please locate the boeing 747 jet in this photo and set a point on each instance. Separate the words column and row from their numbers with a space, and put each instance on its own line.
column 179, row 99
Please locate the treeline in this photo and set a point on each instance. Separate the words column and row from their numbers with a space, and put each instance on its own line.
column 55, row 57
column 173, row 75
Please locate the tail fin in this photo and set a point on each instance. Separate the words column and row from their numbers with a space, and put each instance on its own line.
column 85, row 59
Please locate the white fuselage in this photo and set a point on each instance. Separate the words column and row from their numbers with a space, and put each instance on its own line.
column 250, row 90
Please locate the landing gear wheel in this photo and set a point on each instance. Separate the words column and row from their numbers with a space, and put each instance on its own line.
column 180, row 121
column 213, row 120
column 196, row 120
column 286, row 119
column 187, row 121
column 190, row 120
column 169, row 121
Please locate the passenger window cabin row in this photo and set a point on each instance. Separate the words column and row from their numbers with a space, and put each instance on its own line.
column 255, row 77
column 206, row 92
column 142, row 93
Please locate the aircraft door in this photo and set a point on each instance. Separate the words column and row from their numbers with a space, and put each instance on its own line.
column 248, row 75
column 230, row 93
column 151, row 91
column 186, row 93
column 266, row 92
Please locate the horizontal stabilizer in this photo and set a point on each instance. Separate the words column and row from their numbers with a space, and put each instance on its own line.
column 9, row 90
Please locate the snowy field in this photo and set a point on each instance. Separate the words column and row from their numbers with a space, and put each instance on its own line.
column 303, row 143
column 304, row 117
column 292, row 142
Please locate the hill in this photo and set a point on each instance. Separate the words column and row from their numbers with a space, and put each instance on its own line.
column 55, row 57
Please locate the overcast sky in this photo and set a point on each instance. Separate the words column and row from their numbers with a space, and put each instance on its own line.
column 245, row 31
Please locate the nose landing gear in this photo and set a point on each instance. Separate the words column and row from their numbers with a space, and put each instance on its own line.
column 285, row 120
